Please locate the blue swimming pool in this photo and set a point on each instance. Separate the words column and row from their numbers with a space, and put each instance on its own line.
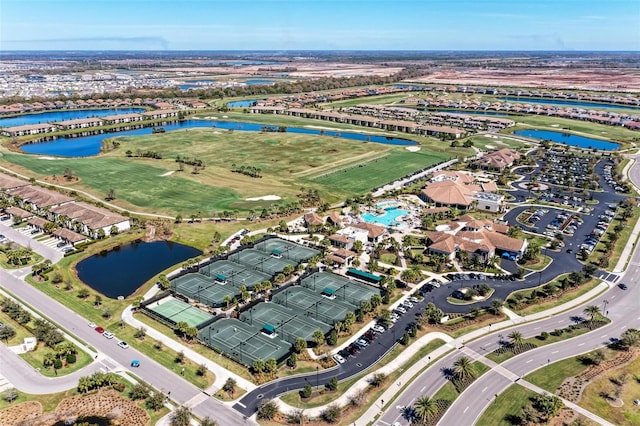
column 389, row 218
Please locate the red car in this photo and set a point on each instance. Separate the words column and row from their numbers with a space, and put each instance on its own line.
column 99, row 329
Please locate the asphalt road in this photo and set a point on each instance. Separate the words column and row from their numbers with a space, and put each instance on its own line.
column 353, row 365
column 182, row 392
column 622, row 308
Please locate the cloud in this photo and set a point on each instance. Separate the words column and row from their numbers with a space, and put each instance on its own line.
column 125, row 41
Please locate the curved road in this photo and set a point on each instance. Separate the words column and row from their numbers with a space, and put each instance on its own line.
column 622, row 308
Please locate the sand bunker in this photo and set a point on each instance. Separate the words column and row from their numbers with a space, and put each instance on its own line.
column 412, row 148
column 264, row 198
column 168, row 173
column 47, row 158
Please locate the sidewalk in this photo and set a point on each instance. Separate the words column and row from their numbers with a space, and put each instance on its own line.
column 221, row 373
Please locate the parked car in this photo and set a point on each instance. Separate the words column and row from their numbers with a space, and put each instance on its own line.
column 378, row 329
column 123, row 345
column 362, row 343
column 92, row 325
column 339, row 359
column 99, row 329
column 108, row 334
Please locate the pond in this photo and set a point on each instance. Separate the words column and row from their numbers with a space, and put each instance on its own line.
column 121, row 271
column 242, row 104
column 86, row 146
column 47, row 117
column 569, row 139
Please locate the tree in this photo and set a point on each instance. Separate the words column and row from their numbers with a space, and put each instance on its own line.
column 6, row 332
column 258, row 366
column 516, row 338
column 377, row 380
column 306, row 391
column 332, row 384
column 10, row 395
column 593, row 311
column 97, row 301
column 83, row 293
column 229, row 386
column 463, row 369
column 318, row 337
column 207, row 421
column 139, row 391
column 155, row 401
column 271, row 366
column 292, row 361
column 111, row 194
column 425, row 408
column 268, row 410
column 299, row 345
column 181, row 417
column 202, row 370
column 331, row 414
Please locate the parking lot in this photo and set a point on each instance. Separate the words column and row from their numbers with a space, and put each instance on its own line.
column 31, row 235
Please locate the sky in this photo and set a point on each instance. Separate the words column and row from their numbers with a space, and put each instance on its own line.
column 320, row 25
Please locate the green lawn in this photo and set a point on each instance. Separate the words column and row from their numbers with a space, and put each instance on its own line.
column 551, row 377
column 487, row 144
column 510, row 402
column 36, row 357
column 364, row 177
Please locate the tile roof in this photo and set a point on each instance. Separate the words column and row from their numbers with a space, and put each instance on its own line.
column 92, row 216
column 41, row 197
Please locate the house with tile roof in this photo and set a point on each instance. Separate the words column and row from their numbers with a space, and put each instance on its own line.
column 498, row 160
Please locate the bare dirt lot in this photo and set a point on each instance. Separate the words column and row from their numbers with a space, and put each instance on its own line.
column 560, row 78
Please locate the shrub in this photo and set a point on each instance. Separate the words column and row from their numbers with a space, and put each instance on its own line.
column 202, row 370
column 331, row 414
column 179, row 357
column 140, row 333
column 71, row 358
column 120, row 387
column 57, row 364
column 139, row 391
column 544, row 335
column 268, row 410
column 306, row 391
column 292, row 361
column 332, row 384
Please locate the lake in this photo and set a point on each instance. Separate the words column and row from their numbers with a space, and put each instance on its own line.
column 47, row 117
column 242, row 104
column 121, row 271
column 87, row 146
column 568, row 139
column 563, row 102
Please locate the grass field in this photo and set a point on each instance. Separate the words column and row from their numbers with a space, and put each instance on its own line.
column 376, row 173
column 510, row 402
column 286, row 161
column 628, row 414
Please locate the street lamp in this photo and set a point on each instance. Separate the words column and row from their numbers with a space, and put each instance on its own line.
column 317, row 373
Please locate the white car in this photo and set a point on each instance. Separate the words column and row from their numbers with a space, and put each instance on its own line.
column 401, row 310
column 378, row 329
column 413, row 299
column 108, row 334
column 407, row 304
column 92, row 325
column 339, row 359
column 123, row 345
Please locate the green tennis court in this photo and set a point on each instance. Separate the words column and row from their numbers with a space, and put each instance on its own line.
column 260, row 261
column 177, row 310
column 343, row 288
column 203, row 289
column 286, row 249
column 243, row 342
column 289, row 323
column 234, row 273
column 313, row 305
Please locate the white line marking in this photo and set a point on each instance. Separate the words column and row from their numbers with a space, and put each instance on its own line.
column 242, row 405
column 422, row 390
column 581, row 344
column 529, row 361
column 604, row 336
column 485, row 388
column 465, row 410
column 555, row 352
column 537, row 328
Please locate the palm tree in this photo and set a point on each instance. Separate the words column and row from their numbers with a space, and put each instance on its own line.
column 593, row 311
column 425, row 408
column 463, row 368
column 516, row 338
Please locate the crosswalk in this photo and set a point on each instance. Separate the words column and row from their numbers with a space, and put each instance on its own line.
column 607, row 276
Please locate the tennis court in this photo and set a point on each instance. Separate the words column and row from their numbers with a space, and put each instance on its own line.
column 260, row 261
column 177, row 310
column 203, row 289
column 234, row 273
column 288, row 323
column 313, row 305
column 286, row 249
column 343, row 288
column 243, row 342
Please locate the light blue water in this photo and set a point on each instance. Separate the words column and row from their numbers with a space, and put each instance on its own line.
column 389, row 218
column 90, row 145
column 383, row 204
column 567, row 139
column 242, row 104
column 563, row 102
column 48, row 117
column 257, row 82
